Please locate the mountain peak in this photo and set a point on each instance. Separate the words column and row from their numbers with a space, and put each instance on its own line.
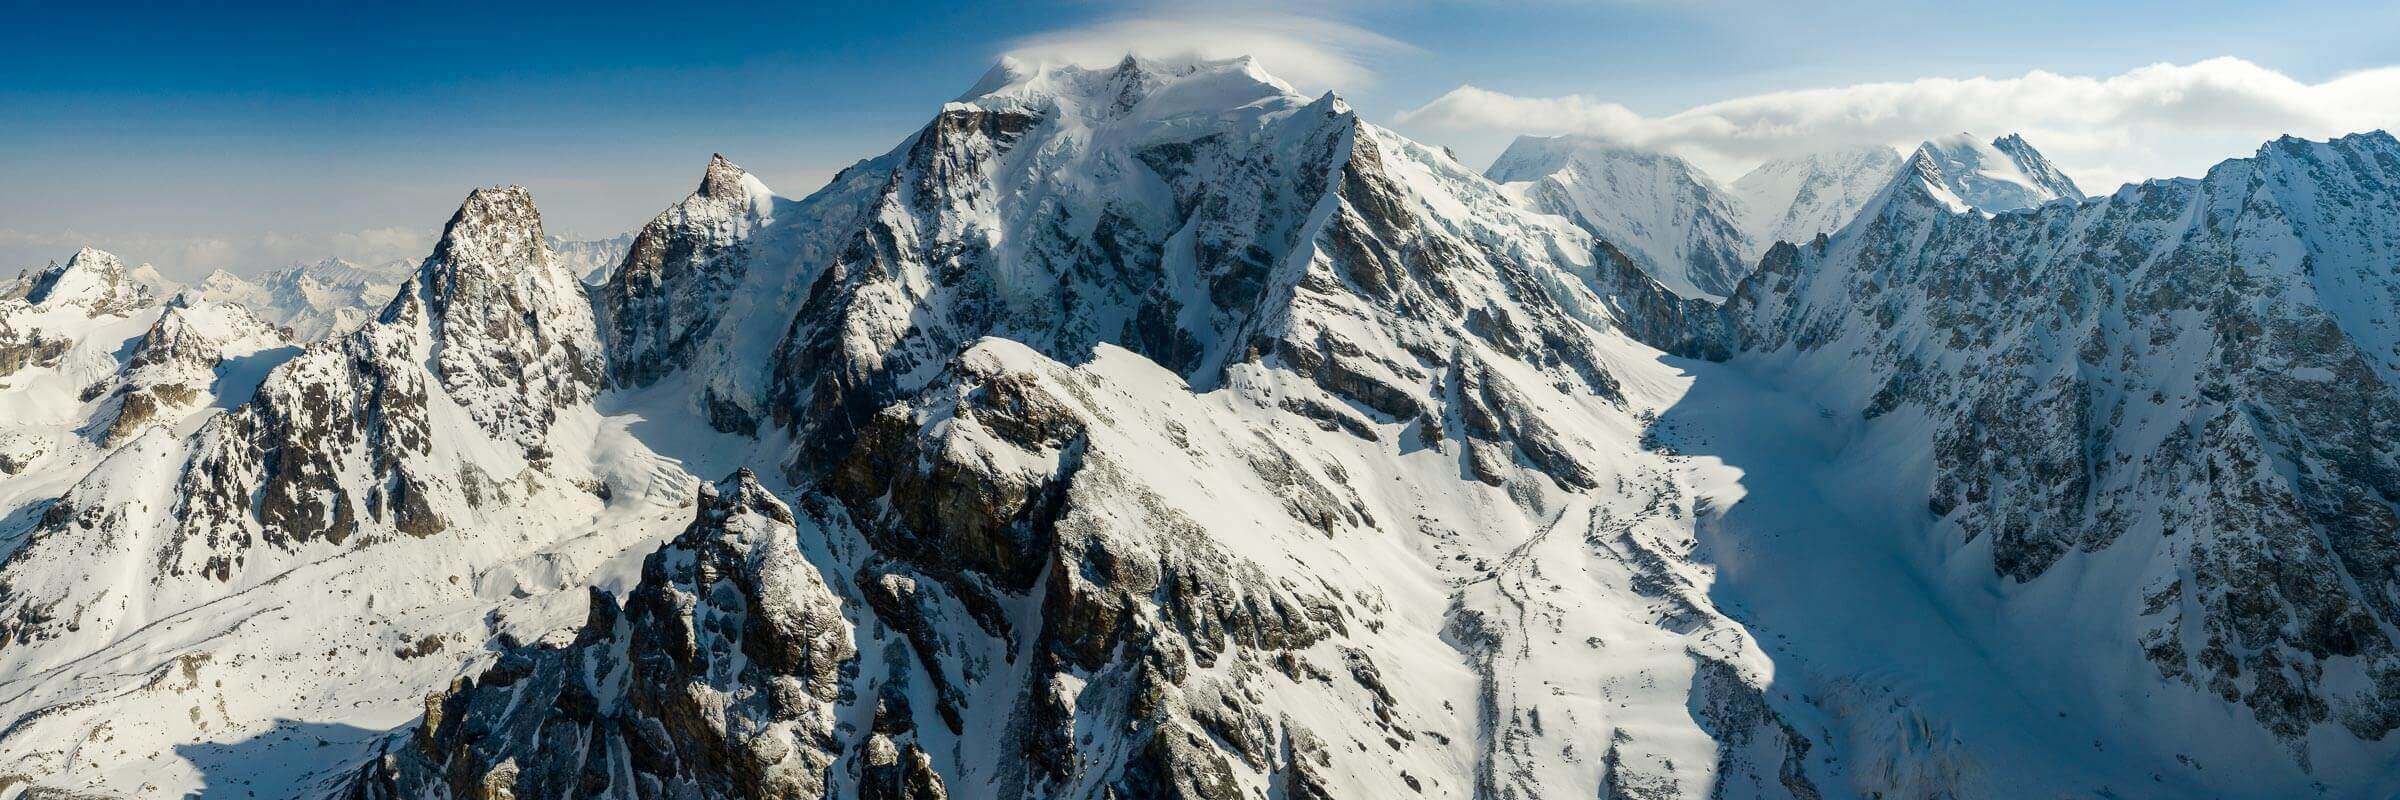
column 723, row 180
column 2004, row 174
column 1674, row 222
column 495, row 228
column 93, row 278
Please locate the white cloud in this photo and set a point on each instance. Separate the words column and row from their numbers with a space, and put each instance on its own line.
column 2156, row 121
column 1312, row 54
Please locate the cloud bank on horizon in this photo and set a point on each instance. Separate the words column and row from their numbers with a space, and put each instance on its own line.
column 2157, row 121
column 189, row 258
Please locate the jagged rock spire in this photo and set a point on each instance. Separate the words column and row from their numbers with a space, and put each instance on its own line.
column 733, row 640
column 723, row 180
column 513, row 336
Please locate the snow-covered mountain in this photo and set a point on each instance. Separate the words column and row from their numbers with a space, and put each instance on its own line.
column 1795, row 199
column 316, row 300
column 1699, row 238
column 1157, row 431
column 93, row 281
column 592, row 259
column 1104, row 395
column 2146, row 440
column 2001, row 175
column 332, row 296
column 1668, row 216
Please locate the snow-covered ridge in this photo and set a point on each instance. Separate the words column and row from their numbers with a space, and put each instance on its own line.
column 1699, row 238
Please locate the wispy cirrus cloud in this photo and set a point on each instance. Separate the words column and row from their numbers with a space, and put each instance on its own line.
column 1314, row 54
column 2155, row 121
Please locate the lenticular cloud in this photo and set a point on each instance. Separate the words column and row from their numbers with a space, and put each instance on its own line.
column 1312, row 54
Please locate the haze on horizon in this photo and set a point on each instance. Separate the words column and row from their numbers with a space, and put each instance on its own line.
column 198, row 139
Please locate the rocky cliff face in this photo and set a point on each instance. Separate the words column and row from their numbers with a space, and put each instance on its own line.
column 2176, row 403
column 679, row 273
column 720, row 677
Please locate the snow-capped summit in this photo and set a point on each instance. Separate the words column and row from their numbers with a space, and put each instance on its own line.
column 2001, row 175
column 94, row 279
column 1080, row 383
column 1669, row 217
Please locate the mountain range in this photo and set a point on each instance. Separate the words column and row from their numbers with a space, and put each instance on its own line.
column 1156, row 430
column 1699, row 238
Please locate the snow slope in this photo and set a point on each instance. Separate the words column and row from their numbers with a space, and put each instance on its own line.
column 1796, row 199
column 1676, row 223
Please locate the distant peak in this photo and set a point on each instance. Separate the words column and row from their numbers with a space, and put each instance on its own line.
column 93, row 277
column 1533, row 157
column 2000, row 175
column 94, row 258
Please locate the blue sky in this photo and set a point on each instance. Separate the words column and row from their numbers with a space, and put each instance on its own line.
column 207, row 135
